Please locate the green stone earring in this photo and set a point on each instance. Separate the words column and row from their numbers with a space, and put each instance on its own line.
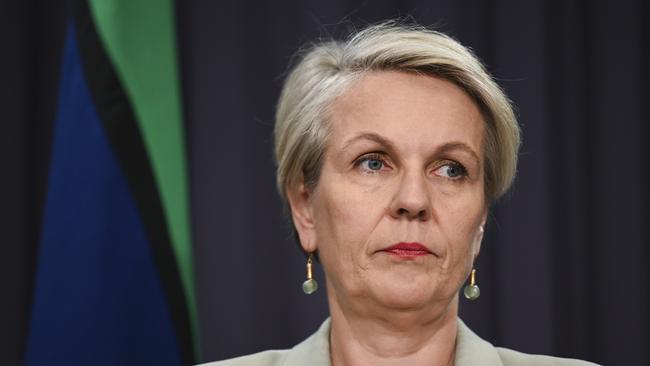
column 471, row 291
column 310, row 285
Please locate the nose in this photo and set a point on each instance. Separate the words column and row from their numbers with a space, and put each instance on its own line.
column 411, row 200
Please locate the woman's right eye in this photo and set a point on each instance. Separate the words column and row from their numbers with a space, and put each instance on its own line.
column 371, row 163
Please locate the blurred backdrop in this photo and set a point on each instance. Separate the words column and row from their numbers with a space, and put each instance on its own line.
column 564, row 266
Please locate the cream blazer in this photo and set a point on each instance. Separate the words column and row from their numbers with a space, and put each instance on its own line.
column 471, row 350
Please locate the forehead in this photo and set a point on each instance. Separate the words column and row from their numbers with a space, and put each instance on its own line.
column 412, row 110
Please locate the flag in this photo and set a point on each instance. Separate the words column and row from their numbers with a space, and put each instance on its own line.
column 114, row 281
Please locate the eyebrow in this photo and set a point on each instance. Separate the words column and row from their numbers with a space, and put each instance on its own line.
column 457, row 145
column 369, row 136
column 445, row 148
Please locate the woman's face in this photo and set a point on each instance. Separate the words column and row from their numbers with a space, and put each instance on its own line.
column 403, row 164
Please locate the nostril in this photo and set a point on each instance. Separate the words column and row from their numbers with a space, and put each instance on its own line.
column 421, row 215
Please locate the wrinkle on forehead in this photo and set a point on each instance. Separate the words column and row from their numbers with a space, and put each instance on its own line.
column 376, row 97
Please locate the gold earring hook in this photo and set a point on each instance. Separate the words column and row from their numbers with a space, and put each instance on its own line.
column 472, row 279
column 309, row 263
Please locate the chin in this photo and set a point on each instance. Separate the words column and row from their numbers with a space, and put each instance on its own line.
column 404, row 293
column 402, row 303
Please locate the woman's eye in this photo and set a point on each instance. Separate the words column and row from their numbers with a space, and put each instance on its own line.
column 452, row 171
column 371, row 163
column 374, row 164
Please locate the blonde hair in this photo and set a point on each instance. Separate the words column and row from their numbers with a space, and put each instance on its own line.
column 326, row 70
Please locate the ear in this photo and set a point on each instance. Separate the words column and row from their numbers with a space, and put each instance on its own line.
column 479, row 234
column 300, row 202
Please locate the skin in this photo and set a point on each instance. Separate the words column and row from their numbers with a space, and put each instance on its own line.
column 404, row 163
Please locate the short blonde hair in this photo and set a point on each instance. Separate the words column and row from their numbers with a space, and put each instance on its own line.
column 325, row 70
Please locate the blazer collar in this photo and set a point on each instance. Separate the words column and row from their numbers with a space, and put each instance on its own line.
column 314, row 350
column 473, row 350
column 470, row 349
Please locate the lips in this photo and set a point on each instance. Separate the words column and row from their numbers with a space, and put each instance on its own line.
column 407, row 250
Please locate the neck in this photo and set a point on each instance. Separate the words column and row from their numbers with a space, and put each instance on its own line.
column 379, row 337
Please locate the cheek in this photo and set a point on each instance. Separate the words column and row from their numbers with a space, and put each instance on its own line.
column 345, row 218
column 459, row 218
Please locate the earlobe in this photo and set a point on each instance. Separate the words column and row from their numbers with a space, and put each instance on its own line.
column 479, row 241
column 302, row 217
column 479, row 237
column 481, row 231
column 484, row 220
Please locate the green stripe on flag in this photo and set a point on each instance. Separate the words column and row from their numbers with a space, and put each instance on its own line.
column 140, row 39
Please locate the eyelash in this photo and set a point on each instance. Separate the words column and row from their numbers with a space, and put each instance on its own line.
column 380, row 157
column 368, row 157
column 462, row 170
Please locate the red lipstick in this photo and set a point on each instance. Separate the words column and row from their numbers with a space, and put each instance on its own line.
column 407, row 250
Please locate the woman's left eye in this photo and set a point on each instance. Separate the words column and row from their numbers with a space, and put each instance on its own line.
column 451, row 171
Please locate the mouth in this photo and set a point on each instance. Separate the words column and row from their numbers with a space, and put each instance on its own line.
column 407, row 250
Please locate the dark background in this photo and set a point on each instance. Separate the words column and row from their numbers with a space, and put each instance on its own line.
column 564, row 266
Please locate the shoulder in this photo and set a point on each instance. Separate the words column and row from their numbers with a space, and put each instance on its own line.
column 270, row 358
column 473, row 350
column 510, row 357
column 313, row 351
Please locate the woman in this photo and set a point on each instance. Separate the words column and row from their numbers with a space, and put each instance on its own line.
column 391, row 146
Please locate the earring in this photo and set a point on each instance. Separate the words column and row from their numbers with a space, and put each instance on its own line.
column 310, row 285
column 472, row 291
